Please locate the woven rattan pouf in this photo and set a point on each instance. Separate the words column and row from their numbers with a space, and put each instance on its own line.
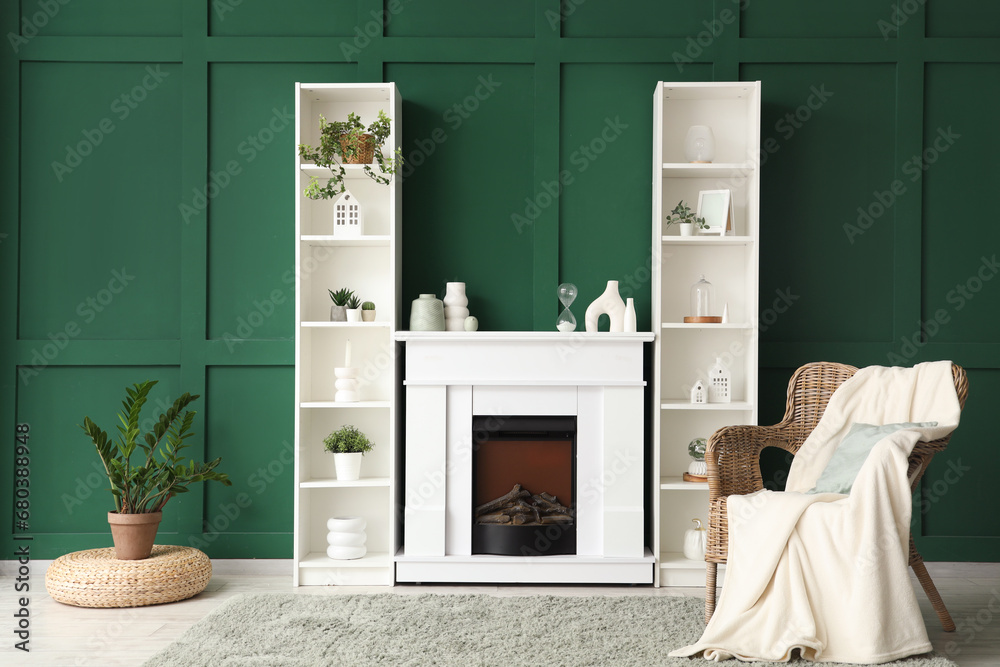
column 95, row 578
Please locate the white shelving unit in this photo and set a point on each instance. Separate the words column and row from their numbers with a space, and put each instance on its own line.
column 683, row 353
column 369, row 265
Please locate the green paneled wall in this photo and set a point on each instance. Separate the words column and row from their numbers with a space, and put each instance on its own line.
column 147, row 208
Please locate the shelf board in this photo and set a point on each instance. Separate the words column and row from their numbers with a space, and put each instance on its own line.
column 345, row 325
column 670, row 560
column 707, row 240
column 688, row 325
column 351, row 171
column 368, row 241
column 345, row 406
column 334, row 483
column 320, row 559
column 716, row 169
column 678, row 484
column 684, row 404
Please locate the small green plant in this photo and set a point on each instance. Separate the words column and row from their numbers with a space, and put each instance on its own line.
column 354, row 303
column 341, row 297
column 368, row 305
column 346, row 141
column 146, row 487
column 348, row 440
column 682, row 213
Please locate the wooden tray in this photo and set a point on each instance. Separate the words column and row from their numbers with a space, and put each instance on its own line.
column 703, row 320
column 688, row 477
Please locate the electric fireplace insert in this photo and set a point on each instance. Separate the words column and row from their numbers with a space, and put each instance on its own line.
column 524, row 486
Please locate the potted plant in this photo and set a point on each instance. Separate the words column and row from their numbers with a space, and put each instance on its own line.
column 354, row 309
column 685, row 219
column 141, row 490
column 368, row 311
column 349, row 142
column 348, row 445
column 338, row 311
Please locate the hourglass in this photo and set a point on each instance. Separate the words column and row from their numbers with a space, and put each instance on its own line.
column 567, row 294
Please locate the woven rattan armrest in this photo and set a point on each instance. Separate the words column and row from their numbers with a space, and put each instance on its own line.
column 733, row 457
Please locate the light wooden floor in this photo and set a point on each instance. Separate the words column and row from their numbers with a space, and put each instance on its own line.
column 64, row 635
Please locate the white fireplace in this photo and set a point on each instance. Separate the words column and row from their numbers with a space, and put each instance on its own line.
column 450, row 377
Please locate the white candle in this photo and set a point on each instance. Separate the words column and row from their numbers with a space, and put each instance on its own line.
column 347, row 354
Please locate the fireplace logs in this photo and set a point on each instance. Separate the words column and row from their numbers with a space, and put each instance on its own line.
column 520, row 508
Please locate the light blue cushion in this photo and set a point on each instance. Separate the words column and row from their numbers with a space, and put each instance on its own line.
column 851, row 453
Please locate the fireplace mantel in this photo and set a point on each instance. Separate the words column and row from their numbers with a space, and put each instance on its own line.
column 596, row 377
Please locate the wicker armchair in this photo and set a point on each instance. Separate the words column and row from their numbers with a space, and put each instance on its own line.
column 733, row 458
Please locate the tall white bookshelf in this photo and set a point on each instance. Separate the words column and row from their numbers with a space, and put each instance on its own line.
column 683, row 353
column 369, row 265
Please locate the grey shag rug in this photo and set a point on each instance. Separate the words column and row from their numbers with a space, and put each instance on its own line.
column 285, row 630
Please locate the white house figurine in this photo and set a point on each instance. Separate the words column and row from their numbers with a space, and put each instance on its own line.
column 698, row 392
column 718, row 383
column 348, row 218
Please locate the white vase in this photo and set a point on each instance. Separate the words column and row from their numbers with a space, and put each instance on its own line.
column 699, row 144
column 346, row 538
column 455, row 307
column 698, row 468
column 354, row 314
column 610, row 303
column 629, row 316
column 347, row 385
column 687, row 228
column 348, row 466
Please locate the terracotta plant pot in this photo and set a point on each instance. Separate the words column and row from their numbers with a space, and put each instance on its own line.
column 134, row 534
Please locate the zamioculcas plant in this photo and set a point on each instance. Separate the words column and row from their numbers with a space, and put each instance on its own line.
column 145, row 486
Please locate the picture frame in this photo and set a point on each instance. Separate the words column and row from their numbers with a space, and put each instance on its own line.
column 716, row 206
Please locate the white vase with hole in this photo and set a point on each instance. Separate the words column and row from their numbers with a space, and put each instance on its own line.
column 346, row 537
column 348, row 466
column 610, row 303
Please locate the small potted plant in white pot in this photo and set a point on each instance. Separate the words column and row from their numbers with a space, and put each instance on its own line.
column 340, row 298
column 141, row 489
column 685, row 219
column 368, row 311
column 354, row 309
column 348, row 444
